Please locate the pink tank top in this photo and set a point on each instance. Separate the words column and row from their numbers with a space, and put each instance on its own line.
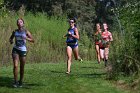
column 106, row 35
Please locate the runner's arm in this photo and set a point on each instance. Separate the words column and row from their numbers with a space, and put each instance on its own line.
column 29, row 37
column 65, row 35
column 76, row 34
column 110, row 37
column 11, row 37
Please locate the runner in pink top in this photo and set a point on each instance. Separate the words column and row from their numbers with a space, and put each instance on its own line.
column 107, row 36
column 104, row 47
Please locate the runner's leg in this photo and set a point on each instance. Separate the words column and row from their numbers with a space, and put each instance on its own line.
column 69, row 60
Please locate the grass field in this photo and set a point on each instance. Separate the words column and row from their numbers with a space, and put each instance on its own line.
column 86, row 77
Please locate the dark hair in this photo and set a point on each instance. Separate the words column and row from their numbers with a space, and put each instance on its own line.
column 73, row 19
column 96, row 24
column 106, row 24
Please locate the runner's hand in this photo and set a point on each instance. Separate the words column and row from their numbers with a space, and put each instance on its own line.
column 11, row 41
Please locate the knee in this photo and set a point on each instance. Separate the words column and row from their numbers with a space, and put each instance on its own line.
column 106, row 57
column 69, row 58
column 15, row 66
column 21, row 66
column 97, row 51
column 101, row 56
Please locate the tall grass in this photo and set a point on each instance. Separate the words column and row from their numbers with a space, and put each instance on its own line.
column 48, row 33
column 49, row 45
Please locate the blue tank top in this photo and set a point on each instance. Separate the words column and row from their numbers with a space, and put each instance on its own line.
column 20, row 40
column 71, row 39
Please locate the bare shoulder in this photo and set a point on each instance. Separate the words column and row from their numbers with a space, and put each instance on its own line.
column 27, row 32
column 75, row 29
column 109, row 33
column 96, row 33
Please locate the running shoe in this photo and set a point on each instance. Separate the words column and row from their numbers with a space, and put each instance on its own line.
column 15, row 84
column 67, row 72
column 20, row 84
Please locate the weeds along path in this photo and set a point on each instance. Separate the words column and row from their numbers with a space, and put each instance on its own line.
column 86, row 77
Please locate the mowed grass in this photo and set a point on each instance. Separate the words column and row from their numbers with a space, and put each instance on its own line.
column 86, row 77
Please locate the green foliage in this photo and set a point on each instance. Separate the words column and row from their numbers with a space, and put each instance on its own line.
column 129, row 21
column 48, row 33
column 82, row 10
column 50, row 25
column 125, row 55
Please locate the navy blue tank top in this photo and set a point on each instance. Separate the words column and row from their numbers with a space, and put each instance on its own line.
column 71, row 39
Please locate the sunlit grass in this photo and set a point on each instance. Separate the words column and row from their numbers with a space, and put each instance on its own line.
column 86, row 77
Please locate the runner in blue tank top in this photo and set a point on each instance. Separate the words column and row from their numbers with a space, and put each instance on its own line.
column 71, row 41
column 19, row 50
column 72, row 44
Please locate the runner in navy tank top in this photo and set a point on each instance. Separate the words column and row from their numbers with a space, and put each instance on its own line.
column 72, row 44
column 71, row 41
column 19, row 50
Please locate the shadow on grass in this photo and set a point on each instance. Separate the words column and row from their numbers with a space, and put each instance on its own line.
column 57, row 72
column 94, row 75
column 31, row 85
column 91, row 67
column 7, row 82
column 82, row 75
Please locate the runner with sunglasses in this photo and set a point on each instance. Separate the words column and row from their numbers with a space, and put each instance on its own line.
column 72, row 44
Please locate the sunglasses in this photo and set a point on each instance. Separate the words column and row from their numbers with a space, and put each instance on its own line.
column 71, row 22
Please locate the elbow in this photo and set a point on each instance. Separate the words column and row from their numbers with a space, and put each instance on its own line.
column 78, row 38
column 111, row 40
column 32, row 40
column 11, row 41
